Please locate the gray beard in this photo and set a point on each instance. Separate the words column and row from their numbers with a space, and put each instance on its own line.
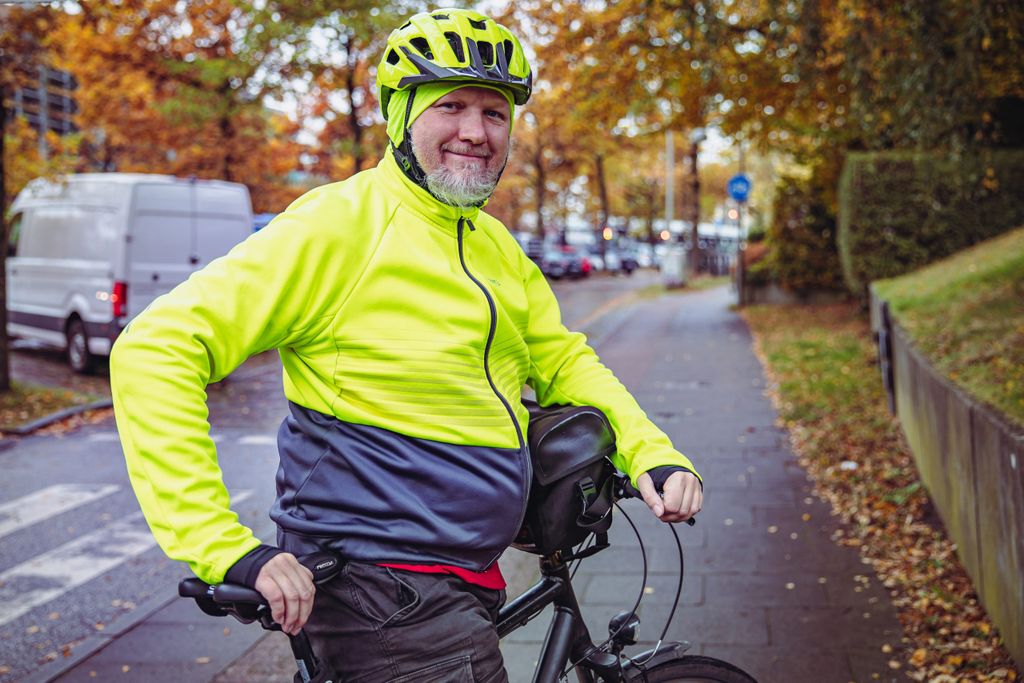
column 460, row 189
column 455, row 189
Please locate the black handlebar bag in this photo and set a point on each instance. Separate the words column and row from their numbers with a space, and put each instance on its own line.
column 571, row 491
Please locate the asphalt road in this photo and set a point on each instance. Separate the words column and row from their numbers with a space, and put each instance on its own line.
column 77, row 562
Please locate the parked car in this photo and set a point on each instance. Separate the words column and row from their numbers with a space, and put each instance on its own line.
column 559, row 262
column 91, row 251
column 532, row 245
column 261, row 220
column 628, row 260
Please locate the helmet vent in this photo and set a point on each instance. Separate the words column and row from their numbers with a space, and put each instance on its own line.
column 486, row 52
column 405, row 26
column 440, row 17
column 480, row 25
column 422, row 45
column 392, row 57
column 507, row 47
column 456, row 42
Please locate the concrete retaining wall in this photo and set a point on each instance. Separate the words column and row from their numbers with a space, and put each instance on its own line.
column 971, row 459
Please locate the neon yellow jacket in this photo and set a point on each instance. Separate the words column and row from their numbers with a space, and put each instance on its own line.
column 405, row 326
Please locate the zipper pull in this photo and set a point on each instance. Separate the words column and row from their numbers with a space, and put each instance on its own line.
column 472, row 228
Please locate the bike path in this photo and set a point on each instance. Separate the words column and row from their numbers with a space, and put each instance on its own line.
column 765, row 586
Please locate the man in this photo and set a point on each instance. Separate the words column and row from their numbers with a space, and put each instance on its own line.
column 407, row 321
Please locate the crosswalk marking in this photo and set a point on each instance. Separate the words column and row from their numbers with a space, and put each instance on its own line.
column 49, row 502
column 258, row 440
column 57, row 571
column 250, row 440
column 103, row 436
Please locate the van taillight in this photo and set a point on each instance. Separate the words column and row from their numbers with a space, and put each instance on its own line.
column 119, row 299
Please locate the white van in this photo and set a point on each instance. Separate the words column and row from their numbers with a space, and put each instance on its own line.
column 91, row 251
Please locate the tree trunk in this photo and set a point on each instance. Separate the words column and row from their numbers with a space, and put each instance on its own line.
column 602, row 188
column 652, row 239
column 5, row 367
column 353, row 118
column 694, row 211
column 353, row 111
column 541, row 181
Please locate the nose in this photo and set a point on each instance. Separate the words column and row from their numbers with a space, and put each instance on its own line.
column 471, row 127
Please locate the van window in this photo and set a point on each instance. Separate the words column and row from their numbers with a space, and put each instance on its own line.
column 14, row 235
column 84, row 233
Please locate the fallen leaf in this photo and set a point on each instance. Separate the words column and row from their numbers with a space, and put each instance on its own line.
column 202, row 660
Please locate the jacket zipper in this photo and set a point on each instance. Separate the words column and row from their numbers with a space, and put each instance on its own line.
column 492, row 328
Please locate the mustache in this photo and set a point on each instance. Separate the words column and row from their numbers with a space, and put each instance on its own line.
column 480, row 152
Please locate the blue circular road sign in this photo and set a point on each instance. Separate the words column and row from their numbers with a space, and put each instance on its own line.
column 739, row 187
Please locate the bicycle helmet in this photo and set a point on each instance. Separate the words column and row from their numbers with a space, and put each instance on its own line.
column 453, row 45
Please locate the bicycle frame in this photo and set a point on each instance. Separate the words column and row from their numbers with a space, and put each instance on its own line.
column 568, row 639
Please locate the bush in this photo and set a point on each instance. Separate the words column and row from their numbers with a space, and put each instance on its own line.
column 802, row 247
column 899, row 211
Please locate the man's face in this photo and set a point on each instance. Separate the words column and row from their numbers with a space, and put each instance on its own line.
column 461, row 141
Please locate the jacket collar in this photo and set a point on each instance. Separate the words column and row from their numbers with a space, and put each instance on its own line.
column 419, row 200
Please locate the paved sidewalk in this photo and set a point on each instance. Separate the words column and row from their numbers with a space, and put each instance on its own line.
column 765, row 587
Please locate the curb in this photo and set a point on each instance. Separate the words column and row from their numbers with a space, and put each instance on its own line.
column 46, row 420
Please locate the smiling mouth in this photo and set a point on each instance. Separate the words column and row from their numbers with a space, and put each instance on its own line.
column 465, row 155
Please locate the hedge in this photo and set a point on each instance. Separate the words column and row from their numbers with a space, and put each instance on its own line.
column 801, row 239
column 901, row 210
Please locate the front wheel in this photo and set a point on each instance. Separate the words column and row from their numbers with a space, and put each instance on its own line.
column 692, row 669
column 79, row 357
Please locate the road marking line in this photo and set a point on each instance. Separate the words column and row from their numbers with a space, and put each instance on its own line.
column 57, row 571
column 103, row 436
column 49, row 502
column 258, row 440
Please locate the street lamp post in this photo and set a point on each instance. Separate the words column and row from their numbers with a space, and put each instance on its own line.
column 697, row 136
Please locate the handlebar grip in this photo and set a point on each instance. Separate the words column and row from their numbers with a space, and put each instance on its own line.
column 624, row 489
column 237, row 594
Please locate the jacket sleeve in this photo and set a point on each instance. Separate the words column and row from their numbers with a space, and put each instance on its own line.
column 255, row 298
column 565, row 370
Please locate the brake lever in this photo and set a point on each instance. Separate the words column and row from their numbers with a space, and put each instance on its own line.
column 624, row 489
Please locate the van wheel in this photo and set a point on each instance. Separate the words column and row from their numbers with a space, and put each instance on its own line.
column 79, row 358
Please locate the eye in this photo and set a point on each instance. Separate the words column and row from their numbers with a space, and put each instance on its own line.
column 496, row 115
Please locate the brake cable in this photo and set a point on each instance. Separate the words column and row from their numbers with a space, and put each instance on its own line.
column 636, row 605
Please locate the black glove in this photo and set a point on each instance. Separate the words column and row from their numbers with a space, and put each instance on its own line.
column 661, row 473
column 247, row 568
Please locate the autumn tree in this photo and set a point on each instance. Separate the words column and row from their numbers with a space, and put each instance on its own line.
column 343, row 91
column 183, row 89
column 24, row 48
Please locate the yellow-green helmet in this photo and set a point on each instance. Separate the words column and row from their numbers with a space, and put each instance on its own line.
column 456, row 45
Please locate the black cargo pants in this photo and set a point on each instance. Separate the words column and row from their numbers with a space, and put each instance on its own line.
column 377, row 624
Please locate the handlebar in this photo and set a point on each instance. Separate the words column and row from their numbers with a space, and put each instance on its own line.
column 247, row 604
column 623, row 488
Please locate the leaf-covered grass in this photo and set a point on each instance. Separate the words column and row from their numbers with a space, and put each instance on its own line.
column 26, row 402
column 702, row 282
column 966, row 314
column 827, row 389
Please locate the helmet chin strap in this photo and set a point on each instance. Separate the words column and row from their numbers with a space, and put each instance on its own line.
column 403, row 153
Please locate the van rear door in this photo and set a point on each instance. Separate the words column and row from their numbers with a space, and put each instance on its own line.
column 160, row 244
column 223, row 219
